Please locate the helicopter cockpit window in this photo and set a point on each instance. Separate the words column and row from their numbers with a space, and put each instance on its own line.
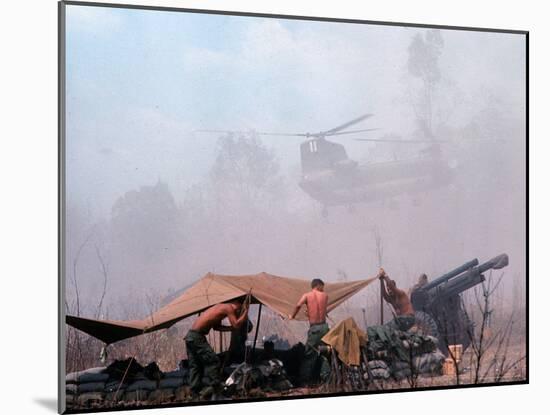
column 321, row 154
column 313, row 146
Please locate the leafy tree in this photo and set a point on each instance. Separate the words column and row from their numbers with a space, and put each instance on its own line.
column 145, row 221
column 245, row 170
column 423, row 64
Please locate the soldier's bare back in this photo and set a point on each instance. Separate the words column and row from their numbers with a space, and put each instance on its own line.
column 213, row 317
column 316, row 302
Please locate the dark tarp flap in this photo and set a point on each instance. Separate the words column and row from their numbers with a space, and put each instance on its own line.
column 106, row 331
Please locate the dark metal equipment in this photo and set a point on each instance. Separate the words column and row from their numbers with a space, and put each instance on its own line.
column 438, row 304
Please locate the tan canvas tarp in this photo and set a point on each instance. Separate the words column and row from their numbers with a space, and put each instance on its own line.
column 347, row 338
column 278, row 293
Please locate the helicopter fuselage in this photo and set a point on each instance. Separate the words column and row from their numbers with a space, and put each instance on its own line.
column 333, row 179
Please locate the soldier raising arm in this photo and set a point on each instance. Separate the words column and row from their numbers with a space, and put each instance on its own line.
column 400, row 302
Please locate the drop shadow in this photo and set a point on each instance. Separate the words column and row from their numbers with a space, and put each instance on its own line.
column 48, row 403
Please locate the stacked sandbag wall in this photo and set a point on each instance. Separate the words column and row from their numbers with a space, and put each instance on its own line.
column 97, row 387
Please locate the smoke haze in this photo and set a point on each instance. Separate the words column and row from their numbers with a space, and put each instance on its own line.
column 152, row 205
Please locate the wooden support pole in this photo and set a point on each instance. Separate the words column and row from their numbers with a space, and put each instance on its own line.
column 381, row 302
column 336, row 369
column 256, row 334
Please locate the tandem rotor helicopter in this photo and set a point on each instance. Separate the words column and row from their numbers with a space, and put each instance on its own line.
column 333, row 179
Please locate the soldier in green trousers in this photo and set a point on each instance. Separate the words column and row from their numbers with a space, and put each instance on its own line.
column 203, row 361
column 316, row 302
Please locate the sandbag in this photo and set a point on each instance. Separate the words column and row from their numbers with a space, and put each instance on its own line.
column 429, row 363
column 136, row 377
column 377, row 364
column 113, row 386
column 136, row 396
column 71, row 388
column 70, row 400
column 397, row 344
column 95, row 374
column 148, row 385
column 380, row 373
column 171, row 383
column 93, row 377
column 87, row 399
column 379, row 369
column 114, row 397
column 161, row 395
column 91, row 387
column 180, row 373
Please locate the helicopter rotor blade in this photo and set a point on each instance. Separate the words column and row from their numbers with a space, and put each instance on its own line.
column 346, row 125
column 389, row 140
column 355, row 131
column 333, row 131
column 255, row 132
column 287, row 134
column 217, row 131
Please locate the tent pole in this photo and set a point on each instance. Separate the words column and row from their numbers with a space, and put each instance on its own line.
column 256, row 334
column 381, row 302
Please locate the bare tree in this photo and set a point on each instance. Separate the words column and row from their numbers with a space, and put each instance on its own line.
column 489, row 356
column 103, row 268
column 75, row 266
column 74, row 353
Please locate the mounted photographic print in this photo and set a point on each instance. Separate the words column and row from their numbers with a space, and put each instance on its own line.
column 259, row 207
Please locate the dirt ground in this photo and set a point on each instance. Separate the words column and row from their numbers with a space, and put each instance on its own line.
column 496, row 367
column 490, row 372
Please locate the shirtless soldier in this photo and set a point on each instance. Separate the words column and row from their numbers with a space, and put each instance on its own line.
column 400, row 302
column 201, row 357
column 316, row 302
column 422, row 281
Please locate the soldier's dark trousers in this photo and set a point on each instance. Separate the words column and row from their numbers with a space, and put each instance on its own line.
column 311, row 355
column 203, row 362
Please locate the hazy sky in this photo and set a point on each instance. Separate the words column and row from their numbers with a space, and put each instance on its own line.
column 139, row 82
